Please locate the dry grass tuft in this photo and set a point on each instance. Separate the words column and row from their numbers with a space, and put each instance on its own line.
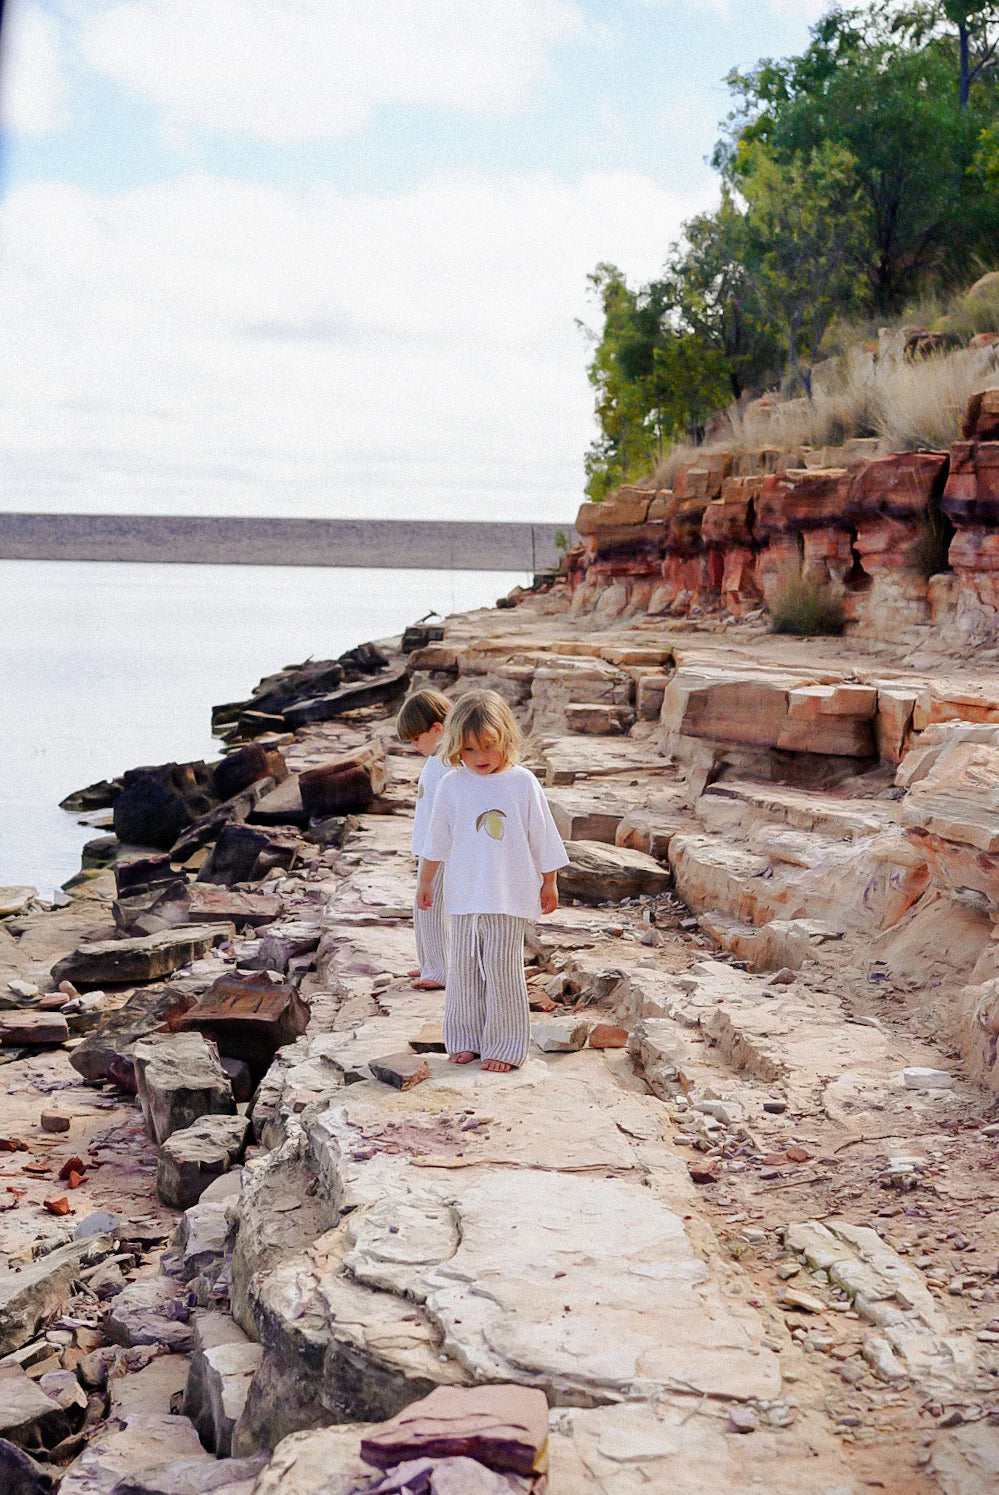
column 918, row 405
column 805, row 606
column 910, row 406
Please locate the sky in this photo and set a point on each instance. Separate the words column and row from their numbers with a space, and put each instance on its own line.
column 325, row 258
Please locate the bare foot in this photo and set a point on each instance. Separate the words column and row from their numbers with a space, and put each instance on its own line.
column 496, row 1066
column 423, row 985
column 414, row 972
column 463, row 1058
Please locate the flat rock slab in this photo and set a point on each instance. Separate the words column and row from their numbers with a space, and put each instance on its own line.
column 635, row 1450
column 627, row 1307
column 201, row 1235
column 226, row 1373
column 210, row 905
column 560, row 1035
column 145, row 958
column 429, row 1040
column 599, row 874
column 14, row 900
column 192, row 1158
column 179, row 1078
column 306, row 1462
column 36, row 1030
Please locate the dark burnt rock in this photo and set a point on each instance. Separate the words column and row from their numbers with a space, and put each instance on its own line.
column 326, row 708
column 19, row 1474
column 153, row 909
column 139, row 874
column 208, row 827
column 366, row 659
column 419, row 635
column 275, row 692
column 257, row 723
column 241, row 769
column 246, row 853
column 157, row 803
column 99, row 796
column 100, row 852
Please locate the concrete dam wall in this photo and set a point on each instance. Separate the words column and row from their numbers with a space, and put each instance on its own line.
column 413, row 544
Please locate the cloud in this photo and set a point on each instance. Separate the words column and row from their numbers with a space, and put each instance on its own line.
column 216, row 346
column 33, row 94
column 296, row 70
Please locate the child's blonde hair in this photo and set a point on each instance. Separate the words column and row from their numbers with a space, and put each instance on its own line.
column 481, row 719
column 419, row 712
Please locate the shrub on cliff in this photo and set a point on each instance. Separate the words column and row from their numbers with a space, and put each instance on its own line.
column 804, row 605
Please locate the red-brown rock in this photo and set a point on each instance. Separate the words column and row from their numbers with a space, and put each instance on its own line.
column 608, row 1036
column 503, row 1427
column 981, row 415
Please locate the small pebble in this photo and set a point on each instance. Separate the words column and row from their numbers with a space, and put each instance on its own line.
column 55, row 1121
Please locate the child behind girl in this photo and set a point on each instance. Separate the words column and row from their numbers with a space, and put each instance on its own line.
column 421, row 722
column 492, row 827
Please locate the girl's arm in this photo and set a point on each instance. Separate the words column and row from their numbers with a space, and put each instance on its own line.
column 425, row 887
column 549, row 892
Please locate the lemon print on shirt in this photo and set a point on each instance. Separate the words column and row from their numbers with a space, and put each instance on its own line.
column 491, row 821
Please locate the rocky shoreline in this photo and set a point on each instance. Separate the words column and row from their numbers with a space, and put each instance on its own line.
column 731, row 1219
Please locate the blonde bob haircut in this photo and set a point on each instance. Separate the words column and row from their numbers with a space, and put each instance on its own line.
column 480, row 719
column 419, row 712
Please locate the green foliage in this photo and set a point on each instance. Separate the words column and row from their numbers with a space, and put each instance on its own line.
column 808, row 222
column 805, row 606
column 652, row 377
column 858, row 178
column 879, row 84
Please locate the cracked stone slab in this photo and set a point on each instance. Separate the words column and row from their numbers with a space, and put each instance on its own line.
column 633, row 1450
column 552, row 1263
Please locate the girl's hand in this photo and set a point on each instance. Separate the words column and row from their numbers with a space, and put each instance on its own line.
column 549, row 893
column 424, row 897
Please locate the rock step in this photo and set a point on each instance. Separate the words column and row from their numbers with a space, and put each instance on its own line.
column 736, row 802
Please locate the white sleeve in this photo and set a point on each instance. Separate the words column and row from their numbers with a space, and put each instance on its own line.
column 544, row 840
column 437, row 842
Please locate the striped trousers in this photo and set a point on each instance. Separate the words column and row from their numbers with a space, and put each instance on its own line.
column 429, row 928
column 486, row 1009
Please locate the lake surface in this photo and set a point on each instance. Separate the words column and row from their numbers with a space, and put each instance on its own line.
column 105, row 667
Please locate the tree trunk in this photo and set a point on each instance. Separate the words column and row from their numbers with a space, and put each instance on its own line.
column 964, row 85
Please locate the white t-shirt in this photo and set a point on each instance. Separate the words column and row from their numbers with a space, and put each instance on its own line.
column 497, row 836
column 431, row 774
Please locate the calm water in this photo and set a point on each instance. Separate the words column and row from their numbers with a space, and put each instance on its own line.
column 105, row 667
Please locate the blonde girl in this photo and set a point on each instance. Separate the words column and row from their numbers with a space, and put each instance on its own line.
column 493, row 830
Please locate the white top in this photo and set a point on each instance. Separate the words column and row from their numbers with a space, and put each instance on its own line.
column 497, row 836
column 431, row 774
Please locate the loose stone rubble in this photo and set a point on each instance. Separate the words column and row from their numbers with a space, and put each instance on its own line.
column 730, row 1223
